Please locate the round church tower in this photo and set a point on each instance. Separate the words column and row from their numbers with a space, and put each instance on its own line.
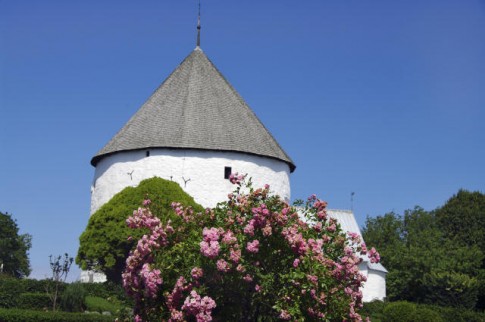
column 195, row 130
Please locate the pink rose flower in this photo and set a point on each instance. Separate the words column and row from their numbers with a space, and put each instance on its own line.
column 223, row 266
column 253, row 247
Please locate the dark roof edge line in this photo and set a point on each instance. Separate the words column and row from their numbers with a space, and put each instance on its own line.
column 97, row 158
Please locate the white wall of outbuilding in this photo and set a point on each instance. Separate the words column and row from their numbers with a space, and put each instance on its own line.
column 375, row 286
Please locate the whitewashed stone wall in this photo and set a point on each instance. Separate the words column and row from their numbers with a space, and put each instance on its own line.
column 375, row 287
column 199, row 173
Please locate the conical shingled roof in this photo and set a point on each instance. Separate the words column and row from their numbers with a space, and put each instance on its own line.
column 196, row 108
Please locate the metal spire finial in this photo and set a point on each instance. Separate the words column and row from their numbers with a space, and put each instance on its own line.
column 198, row 28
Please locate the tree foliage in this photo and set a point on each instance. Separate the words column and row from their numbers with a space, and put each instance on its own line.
column 14, row 248
column 104, row 245
column 424, row 264
column 462, row 219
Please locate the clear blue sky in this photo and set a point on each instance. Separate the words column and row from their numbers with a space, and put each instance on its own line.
column 382, row 98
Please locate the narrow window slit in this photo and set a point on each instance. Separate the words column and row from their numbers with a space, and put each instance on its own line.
column 227, row 172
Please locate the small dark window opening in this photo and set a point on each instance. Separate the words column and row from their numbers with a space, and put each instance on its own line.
column 148, row 153
column 227, row 172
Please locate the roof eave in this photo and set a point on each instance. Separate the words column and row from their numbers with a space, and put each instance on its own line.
column 97, row 158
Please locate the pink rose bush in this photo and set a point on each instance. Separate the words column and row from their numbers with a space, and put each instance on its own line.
column 253, row 257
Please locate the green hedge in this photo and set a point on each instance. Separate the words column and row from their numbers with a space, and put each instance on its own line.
column 456, row 314
column 106, row 290
column 9, row 292
column 98, row 304
column 72, row 299
column 26, row 285
column 34, row 301
column 17, row 315
column 427, row 315
column 399, row 312
column 405, row 311
column 374, row 310
column 11, row 288
column 39, row 286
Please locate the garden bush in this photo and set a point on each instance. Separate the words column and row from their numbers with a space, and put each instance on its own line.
column 456, row 314
column 104, row 244
column 39, row 286
column 375, row 306
column 250, row 258
column 19, row 315
column 72, row 299
column 373, row 309
column 399, row 312
column 10, row 290
column 98, row 304
column 34, row 301
column 106, row 290
column 423, row 314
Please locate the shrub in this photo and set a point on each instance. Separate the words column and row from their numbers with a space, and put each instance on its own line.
column 460, row 315
column 375, row 306
column 428, row 313
column 106, row 290
column 34, row 301
column 250, row 258
column 399, row 312
column 457, row 314
column 38, row 286
column 373, row 309
column 104, row 244
column 18, row 315
column 98, row 304
column 423, row 314
column 72, row 299
column 10, row 290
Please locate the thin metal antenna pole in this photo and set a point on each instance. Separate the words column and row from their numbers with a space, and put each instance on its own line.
column 198, row 28
column 352, row 201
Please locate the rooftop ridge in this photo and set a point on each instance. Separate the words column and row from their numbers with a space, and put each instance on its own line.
column 347, row 211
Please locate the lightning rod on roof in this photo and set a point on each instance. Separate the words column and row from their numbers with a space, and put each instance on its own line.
column 352, row 201
column 198, row 27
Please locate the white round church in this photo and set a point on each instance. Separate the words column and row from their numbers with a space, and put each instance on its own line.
column 196, row 130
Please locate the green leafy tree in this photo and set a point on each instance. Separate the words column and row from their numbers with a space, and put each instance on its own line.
column 424, row 266
column 14, row 248
column 462, row 220
column 104, row 245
